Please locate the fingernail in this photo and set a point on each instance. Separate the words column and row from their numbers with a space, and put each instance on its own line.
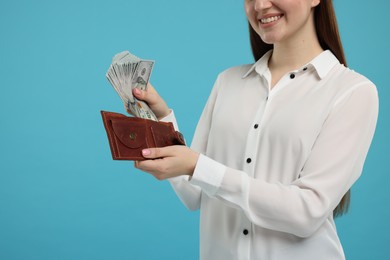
column 145, row 152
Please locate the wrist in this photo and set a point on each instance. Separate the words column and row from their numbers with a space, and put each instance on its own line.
column 163, row 114
column 195, row 158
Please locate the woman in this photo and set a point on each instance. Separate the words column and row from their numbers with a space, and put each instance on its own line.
column 268, row 175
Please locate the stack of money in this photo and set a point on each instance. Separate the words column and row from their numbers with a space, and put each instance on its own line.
column 127, row 72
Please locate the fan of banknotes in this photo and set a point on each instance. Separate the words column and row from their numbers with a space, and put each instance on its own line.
column 127, row 72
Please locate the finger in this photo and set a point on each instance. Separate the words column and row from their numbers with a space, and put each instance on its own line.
column 153, row 153
column 155, row 167
column 149, row 95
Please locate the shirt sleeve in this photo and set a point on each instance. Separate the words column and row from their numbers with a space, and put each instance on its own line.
column 171, row 118
column 188, row 193
column 334, row 164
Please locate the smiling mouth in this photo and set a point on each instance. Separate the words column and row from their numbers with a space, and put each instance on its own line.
column 270, row 19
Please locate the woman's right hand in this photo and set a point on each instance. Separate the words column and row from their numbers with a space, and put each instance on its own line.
column 153, row 99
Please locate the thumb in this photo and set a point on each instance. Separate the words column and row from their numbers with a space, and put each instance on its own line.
column 139, row 94
column 153, row 153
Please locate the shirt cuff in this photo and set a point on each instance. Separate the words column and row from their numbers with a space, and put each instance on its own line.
column 208, row 175
column 171, row 118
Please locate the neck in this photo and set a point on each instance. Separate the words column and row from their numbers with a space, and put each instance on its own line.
column 296, row 51
column 293, row 57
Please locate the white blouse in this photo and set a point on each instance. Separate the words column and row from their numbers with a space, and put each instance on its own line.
column 275, row 162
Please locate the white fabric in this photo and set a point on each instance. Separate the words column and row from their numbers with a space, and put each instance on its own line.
column 314, row 132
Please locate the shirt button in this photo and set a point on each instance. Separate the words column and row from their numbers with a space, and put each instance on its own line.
column 248, row 160
column 292, row 76
column 305, row 68
column 256, row 126
column 245, row 232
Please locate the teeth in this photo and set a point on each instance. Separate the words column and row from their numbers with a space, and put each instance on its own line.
column 270, row 19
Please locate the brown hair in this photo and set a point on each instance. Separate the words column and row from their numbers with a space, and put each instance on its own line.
column 329, row 38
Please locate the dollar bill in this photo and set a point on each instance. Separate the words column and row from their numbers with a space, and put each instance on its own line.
column 127, row 72
column 142, row 74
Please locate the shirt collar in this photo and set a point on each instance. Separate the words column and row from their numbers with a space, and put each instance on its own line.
column 261, row 65
column 323, row 63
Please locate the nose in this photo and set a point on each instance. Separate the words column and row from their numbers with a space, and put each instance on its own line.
column 262, row 4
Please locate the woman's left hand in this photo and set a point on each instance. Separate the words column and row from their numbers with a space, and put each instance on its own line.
column 168, row 162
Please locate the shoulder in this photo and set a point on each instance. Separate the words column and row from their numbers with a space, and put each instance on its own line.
column 230, row 79
column 236, row 72
column 348, row 79
column 342, row 81
column 350, row 83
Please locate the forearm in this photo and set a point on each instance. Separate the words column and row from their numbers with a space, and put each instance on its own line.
column 188, row 194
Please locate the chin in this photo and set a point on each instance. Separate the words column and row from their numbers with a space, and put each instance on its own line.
column 269, row 40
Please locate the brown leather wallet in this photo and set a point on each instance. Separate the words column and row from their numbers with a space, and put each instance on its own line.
column 128, row 136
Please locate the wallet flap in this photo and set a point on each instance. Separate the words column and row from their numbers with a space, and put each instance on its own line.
column 132, row 135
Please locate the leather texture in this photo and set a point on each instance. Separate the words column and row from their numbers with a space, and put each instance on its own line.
column 128, row 136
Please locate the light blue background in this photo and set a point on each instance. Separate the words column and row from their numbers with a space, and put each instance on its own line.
column 61, row 194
